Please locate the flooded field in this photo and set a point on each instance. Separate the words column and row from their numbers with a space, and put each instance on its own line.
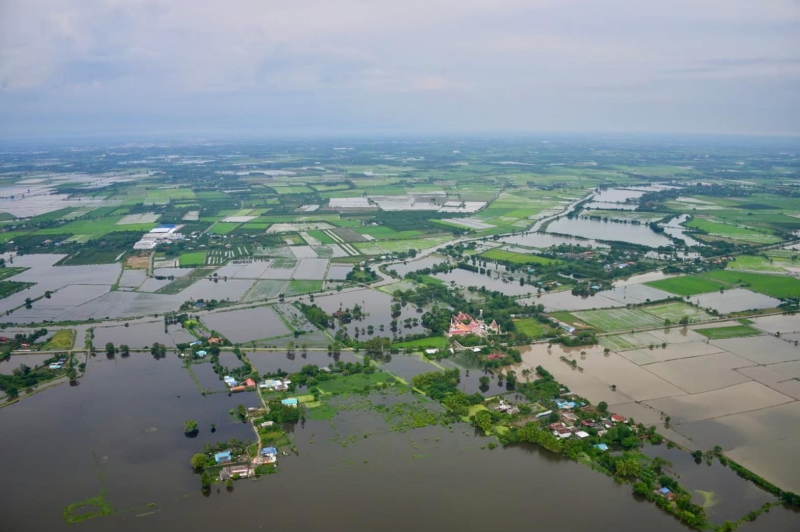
column 735, row 300
column 595, row 229
column 403, row 268
column 566, row 301
column 270, row 362
column 247, row 325
column 15, row 361
column 465, row 279
column 377, row 309
column 543, row 240
column 140, row 335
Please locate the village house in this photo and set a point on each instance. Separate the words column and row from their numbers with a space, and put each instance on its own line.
column 464, row 324
column 215, row 340
column 223, row 457
column 241, row 471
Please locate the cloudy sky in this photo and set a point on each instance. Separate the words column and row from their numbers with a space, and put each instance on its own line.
column 118, row 67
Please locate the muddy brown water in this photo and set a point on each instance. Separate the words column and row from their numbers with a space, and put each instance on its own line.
column 121, row 430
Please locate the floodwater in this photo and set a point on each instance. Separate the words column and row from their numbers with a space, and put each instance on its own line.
column 543, row 240
column 246, row 325
column 121, row 431
column 732, row 496
column 676, row 230
column 377, row 309
column 15, row 361
column 587, row 228
column 140, row 335
column 270, row 362
column 466, row 279
column 403, row 268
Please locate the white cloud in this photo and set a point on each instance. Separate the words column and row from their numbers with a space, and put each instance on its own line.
column 508, row 61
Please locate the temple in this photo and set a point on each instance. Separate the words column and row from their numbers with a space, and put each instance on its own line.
column 464, row 324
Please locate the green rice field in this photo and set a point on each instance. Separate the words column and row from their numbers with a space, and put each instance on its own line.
column 195, row 258
column 687, row 285
column 721, row 333
column 780, row 286
column 619, row 319
column 516, row 258
column 676, row 310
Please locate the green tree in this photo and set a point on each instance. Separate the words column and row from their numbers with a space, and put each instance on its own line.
column 191, row 426
column 124, row 350
column 199, row 461
column 602, row 407
column 110, row 350
column 72, row 374
column 483, row 419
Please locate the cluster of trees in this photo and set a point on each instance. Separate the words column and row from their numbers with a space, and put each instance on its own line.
column 438, row 385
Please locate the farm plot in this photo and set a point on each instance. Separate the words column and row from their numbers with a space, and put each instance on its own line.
column 676, row 310
column 143, row 218
column 779, row 286
column 736, row 331
column 303, row 287
column 311, row 269
column 265, row 289
column 619, row 319
column 736, row 300
column 516, row 258
column 687, row 285
column 195, row 258
column 345, row 234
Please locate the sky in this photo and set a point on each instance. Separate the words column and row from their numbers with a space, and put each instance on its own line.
column 289, row 67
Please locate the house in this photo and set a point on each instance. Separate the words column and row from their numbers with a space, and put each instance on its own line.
column 588, row 423
column 269, row 450
column 601, row 446
column 562, row 433
column 202, row 353
column 616, row 418
column 215, row 340
column 666, row 493
column 431, row 351
column 569, row 417
column 565, row 405
column 250, row 383
column 581, row 434
column 223, row 457
column 464, row 324
column 196, row 342
column 237, row 389
column 544, row 414
column 230, row 381
column 241, row 471
column 266, row 424
column 292, row 402
column 277, row 385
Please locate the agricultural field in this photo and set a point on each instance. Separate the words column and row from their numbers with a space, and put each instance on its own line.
column 619, row 319
column 62, row 340
column 195, row 258
column 687, row 285
column 734, row 232
column 501, row 255
column 674, row 311
column 534, row 328
column 303, row 287
column 780, row 286
column 438, row 342
column 722, row 333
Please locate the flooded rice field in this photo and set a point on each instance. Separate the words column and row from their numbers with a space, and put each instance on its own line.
column 735, row 300
column 465, row 279
column 402, row 268
column 269, row 362
column 139, row 335
column 246, row 325
column 596, row 229
column 377, row 311
column 544, row 240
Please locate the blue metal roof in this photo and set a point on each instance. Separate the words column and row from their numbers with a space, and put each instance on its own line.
column 221, row 457
column 269, row 450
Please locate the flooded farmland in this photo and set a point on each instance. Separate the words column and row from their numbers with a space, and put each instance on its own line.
column 596, row 229
column 102, row 451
